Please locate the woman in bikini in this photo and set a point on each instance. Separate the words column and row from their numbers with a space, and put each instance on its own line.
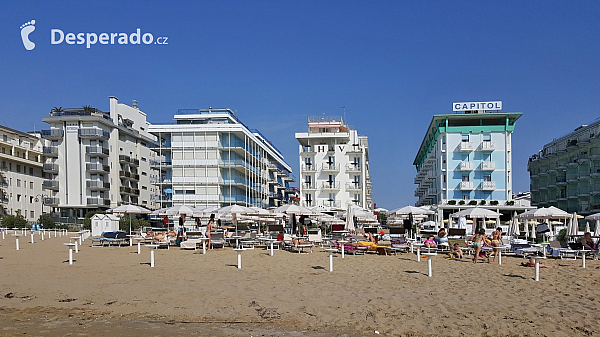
column 588, row 243
column 477, row 243
column 430, row 243
column 496, row 240
column 209, row 228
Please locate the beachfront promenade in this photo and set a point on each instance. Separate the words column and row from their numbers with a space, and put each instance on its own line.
column 288, row 292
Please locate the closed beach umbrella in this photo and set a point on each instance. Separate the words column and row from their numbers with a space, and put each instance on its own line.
column 526, row 228
column 597, row 229
column 587, row 227
column 350, row 219
column 533, row 234
column 574, row 230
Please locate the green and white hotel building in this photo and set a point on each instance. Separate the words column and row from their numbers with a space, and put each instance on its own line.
column 566, row 172
column 465, row 159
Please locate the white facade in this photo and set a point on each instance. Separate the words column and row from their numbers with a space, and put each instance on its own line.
column 334, row 165
column 209, row 158
column 20, row 174
column 97, row 159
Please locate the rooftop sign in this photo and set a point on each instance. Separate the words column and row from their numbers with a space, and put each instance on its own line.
column 464, row 106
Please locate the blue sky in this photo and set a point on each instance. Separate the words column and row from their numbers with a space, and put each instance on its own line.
column 392, row 64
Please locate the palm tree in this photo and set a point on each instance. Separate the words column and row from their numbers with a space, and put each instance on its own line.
column 87, row 108
column 59, row 109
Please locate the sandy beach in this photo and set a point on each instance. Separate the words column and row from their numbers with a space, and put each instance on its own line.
column 113, row 291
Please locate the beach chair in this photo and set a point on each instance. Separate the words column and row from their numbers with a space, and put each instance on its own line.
column 314, row 236
column 217, row 239
column 190, row 244
column 457, row 233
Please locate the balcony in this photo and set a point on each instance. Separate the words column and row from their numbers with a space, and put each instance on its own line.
column 308, row 168
column 353, row 167
column 134, row 162
column 561, row 180
column 124, row 174
column 330, row 167
column 354, row 186
column 98, row 202
column 51, row 201
column 124, row 189
column 97, row 168
column 50, row 185
column 97, row 185
column 124, row 159
column 154, row 163
column 330, row 185
column 488, row 165
column 97, row 151
column 487, row 146
column 466, row 166
column 465, row 146
column 488, row 185
column 51, row 168
column 331, row 203
column 50, row 151
column 94, row 133
column 53, row 134
column 466, row 185
column 309, row 186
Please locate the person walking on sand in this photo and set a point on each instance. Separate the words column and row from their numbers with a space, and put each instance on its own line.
column 477, row 240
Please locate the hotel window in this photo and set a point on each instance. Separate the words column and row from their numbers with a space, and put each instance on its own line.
column 465, row 138
column 32, row 214
column 356, row 198
column 31, row 185
column 487, row 177
column 444, row 177
column 18, row 197
column 331, row 197
column 18, row 182
column 31, row 171
column 19, row 168
column 31, row 200
column 466, row 196
column 465, row 178
column 487, row 137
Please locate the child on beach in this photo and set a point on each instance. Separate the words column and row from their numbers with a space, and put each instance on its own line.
column 457, row 252
column 430, row 243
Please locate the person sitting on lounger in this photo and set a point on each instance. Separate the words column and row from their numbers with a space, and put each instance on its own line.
column 372, row 238
column 587, row 242
column 430, row 243
column 531, row 263
column 297, row 242
column 160, row 237
column 442, row 236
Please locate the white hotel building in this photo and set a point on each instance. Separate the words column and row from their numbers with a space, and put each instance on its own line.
column 97, row 160
column 21, row 178
column 334, row 165
column 466, row 159
column 210, row 158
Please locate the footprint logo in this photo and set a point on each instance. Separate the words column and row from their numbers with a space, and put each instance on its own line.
column 26, row 29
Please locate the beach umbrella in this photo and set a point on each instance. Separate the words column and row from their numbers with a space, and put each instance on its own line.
column 545, row 213
column 350, row 219
column 514, row 231
column 293, row 209
column 235, row 209
column 130, row 209
column 533, row 233
column 160, row 211
column 181, row 209
column 476, row 213
column 595, row 216
column 411, row 210
column 597, row 229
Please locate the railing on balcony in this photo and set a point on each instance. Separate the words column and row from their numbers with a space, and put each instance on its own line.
column 466, row 146
column 331, row 203
column 51, row 201
column 309, row 167
column 488, row 185
column 124, row 158
column 354, row 186
column 50, row 184
column 98, row 202
column 488, row 165
column 488, row 146
column 95, row 184
column 50, row 167
column 466, row 185
column 97, row 151
column 53, row 134
column 466, row 165
column 97, row 167
column 93, row 133
column 353, row 167
column 330, row 185
column 330, row 167
column 160, row 162
column 309, row 186
column 50, row 151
